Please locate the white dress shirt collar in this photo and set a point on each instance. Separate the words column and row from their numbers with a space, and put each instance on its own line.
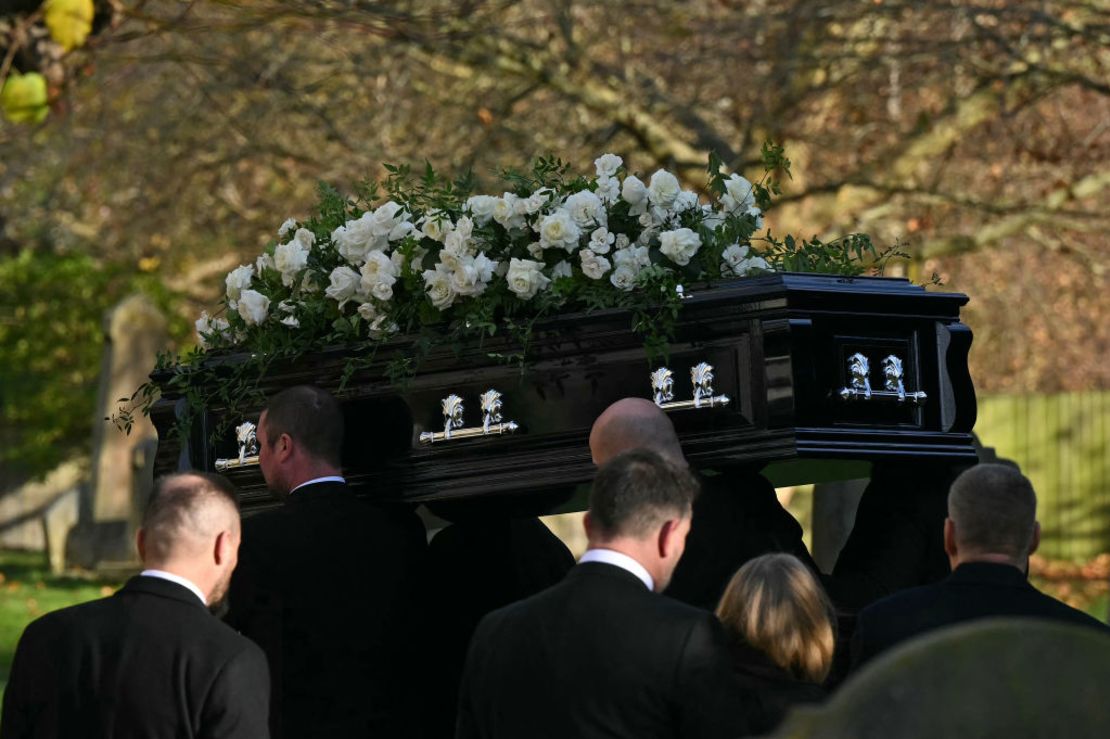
column 183, row 582
column 617, row 559
column 313, row 481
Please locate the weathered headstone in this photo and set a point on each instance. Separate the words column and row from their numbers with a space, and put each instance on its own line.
column 135, row 331
column 996, row 678
column 22, row 509
column 834, row 514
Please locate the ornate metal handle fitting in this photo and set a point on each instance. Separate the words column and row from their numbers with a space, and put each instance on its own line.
column 893, row 387
column 246, row 435
column 453, row 428
column 701, row 377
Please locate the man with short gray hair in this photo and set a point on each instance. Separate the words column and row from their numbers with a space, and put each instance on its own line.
column 150, row 660
column 989, row 534
column 601, row 654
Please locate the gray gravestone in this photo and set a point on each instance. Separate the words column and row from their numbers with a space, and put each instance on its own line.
column 135, row 331
column 994, row 678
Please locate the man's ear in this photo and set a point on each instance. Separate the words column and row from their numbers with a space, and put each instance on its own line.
column 1036, row 541
column 140, row 544
column 284, row 447
column 668, row 537
column 949, row 537
column 587, row 524
column 224, row 548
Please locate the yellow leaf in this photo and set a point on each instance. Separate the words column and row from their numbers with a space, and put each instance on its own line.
column 23, row 98
column 69, row 21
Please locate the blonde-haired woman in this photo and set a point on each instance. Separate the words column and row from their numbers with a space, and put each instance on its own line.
column 781, row 629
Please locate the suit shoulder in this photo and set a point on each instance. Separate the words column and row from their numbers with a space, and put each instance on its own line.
column 909, row 600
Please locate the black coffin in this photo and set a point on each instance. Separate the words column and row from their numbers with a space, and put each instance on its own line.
column 782, row 348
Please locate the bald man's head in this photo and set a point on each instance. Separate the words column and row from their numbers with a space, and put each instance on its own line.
column 633, row 423
column 186, row 512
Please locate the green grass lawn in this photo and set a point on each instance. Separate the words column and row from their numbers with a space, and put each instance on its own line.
column 28, row 590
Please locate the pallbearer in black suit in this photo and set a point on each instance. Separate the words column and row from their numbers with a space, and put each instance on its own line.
column 736, row 518
column 601, row 654
column 149, row 661
column 325, row 583
column 989, row 534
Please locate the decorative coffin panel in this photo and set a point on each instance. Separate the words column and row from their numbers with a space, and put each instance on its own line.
column 771, row 368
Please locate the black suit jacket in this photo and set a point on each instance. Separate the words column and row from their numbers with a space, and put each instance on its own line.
column 737, row 517
column 974, row 590
column 476, row 566
column 599, row 655
column 149, row 661
column 326, row 586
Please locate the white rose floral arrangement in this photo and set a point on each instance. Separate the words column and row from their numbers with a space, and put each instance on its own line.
column 427, row 259
column 428, row 253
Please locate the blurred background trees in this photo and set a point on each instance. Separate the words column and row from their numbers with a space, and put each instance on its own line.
column 179, row 135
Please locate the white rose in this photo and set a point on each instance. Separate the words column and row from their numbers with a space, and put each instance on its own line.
column 382, row 325
column 635, row 194
column 533, row 202
column 289, row 225
column 309, row 284
column 434, row 225
column 505, row 213
column 481, row 207
column 594, row 265
column 601, row 240
column 368, row 311
column 238, row 280
column 344, row 285
column 263, row 263
column 379, row 267
column 386, row 218
column 607, row 165
column 253, row 307
column 464, row 227
column 305, row 238
column 486, row 267
column 680, row 245
column 289, row 259
column 685, row 201
column 559, row 230
column 208, row 327
column 525, row 278
column 437, row 285
column 378, row 275
column 733, row 256
column 608, row 189
column 383, row 289
column 562, row 269
column 623, row 277
column 634, row 257
column 736, row 260
column 291, row 322
column 585, row 208
column 535, row 250
column 466, row 278
column 738, row 195
column 401, row 230
column 622, row 242
column 663, row 188
column 458, row 243
column 355, row 238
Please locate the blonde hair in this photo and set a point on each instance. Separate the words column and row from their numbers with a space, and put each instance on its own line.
column 775, row 604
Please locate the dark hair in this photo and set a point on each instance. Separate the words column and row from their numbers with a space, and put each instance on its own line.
column 994, row 509
column 311, row 417
column 179, row 502
column 636, row 491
